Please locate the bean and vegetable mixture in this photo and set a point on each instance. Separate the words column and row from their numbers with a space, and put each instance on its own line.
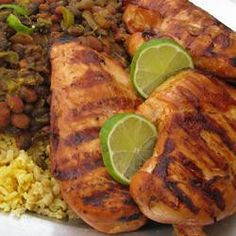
column 28, row 28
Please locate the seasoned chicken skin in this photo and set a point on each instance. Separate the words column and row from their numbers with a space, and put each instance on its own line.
column 190, row 180
column 88, row 88
column 211, row 44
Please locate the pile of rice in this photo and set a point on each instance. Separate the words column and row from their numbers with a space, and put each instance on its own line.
column 24, row 186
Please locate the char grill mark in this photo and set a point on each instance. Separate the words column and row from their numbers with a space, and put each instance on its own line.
column 190, row 166
column 135, row 216
column 197, row 181
column 114, row 103
column 161, row 169
column 88, row 163
column 194, row 124
column 207, row 188
column 183, row 198
column 221, row 100
column 86, row 57
column 82, row 136
column 231, row 122
column 233, row 61
column 92, row 78
column 190, row 97
column 97, row 199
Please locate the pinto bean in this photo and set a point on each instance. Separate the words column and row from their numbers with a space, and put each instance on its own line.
column 21, row 121
column 15, row 103
column 28, row 94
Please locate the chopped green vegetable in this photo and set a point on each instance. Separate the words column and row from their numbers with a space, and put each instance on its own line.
column 10, row 56
column 68, row 17
column 44, row 22
column 84, row 4
column 14, row 22
column 19, row 10
column 88, row 16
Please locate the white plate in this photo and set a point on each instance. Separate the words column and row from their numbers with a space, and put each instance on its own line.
column 32, row 225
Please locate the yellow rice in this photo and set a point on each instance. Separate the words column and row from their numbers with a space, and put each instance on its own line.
column 26, row 187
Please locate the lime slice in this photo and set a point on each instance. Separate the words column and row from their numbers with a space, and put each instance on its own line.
column 155, row 61
column 127, row 141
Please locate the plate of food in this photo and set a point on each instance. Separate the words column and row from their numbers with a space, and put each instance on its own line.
column 117, row 117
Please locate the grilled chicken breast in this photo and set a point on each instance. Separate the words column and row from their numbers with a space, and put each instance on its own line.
column 88, row 88
column 211, row 44
column 190, row 180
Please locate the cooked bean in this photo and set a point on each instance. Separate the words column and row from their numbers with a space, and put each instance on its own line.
column 25, row 86
column 58, row 10
column 21, row 38
column 43, row 7
column 19, row 48
column 21, row 121
column 23, row 63
column 76, row 30
column 5, row 115
column 55, row 18
column 28, row 94
column 15, row 103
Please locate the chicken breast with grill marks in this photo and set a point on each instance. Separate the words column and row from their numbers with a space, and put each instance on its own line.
column 191, row 178
column 211, row 44
column 88, row 88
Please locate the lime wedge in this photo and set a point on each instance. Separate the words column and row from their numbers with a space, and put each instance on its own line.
column 155, row 61
column 127, row 141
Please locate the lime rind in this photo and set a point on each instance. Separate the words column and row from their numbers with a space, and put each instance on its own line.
column 122, row 170
column 145, row 90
